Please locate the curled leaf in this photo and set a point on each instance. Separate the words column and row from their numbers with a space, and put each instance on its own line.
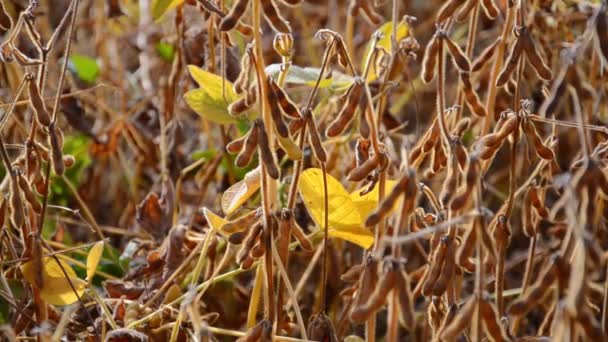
column 240, row 192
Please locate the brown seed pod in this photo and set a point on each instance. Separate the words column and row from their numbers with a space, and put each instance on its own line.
column 536, row 293
column 537, row 203
column 320, row 328
column 542, row 150
column 248, row 243
column 447, row 271
column 461, row 321
column 432, row 138
column 237, row 238
column 240, row 106
column 461, row 61
column 429, row 61
column 236, row 145
column 255, row 334
column 251, row 143
column 235, row 14
column 490, row 9
column 266, row 155
column 377, row 298
column 353, row 97
column 406, row 302
column 465, row 10
column 359, row 173
column 367, row 282
column 37, row 103
column 534, row 57
column 512, row 60
column 491, row 321
column 315, row 139
column 240, row 84
column 56, row 154
column 6, row 23
column 471, row 96
column 485, row 55
column 274, row 18
column 461, row 153
column 353, row 273
column 590, row 325
column 243, row 222
column 390, row 200
column 258, row 249
column 16, row 203
column 436, row 265
column 601, row 29
column 36, row 254
column 275, row 112
column 466, row 248
column 296, row 125
column 298, row 233
column 289, row 108
column 29, row 195
column 448, row 9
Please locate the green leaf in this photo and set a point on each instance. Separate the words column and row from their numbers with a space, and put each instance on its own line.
column 84, row 67
column 160, row 7
column 308, row 76
column 165, row 51
column 208, row 101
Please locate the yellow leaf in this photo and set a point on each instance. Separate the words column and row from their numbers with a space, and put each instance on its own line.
column 367, row 203
column 344, row 220
column 160, row 7
column 208, row 101
column 56, row 289
column 215, row 221
column 234, row 197
column 93, row 259
column 386, row 31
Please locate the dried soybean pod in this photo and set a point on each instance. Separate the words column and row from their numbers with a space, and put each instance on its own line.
column 266, row 155
column 377, row 298
column 601, row 28
column 314, row 138
column 471, row 96
column 353, row 97
column 258, row 249
column 406, row 302
column 254, row 334
column 246, row 155
column 243, row 222
column 320, row 328
column 16, row 204
column 37, row 103
column 240, row 106
column 485, row 55
column 534, row 58
column 242, row 79
column 56, row 154
column 362, row 150
column 436, row 265
column 431, row 140
column 236, row 145
column 274, row 18
column 448, row 9
column 490, row 8
column 275, row 112
column 232, row 18
column 296, row 125
column 37, row 259
column 298, row 233
column 388, row 203
column 289, row 108
column 536, row 293
column 353, row 273
column 359, row 173
column 447, row 271
column 590, row 325
column 542, row 150
column 429, row 61
column 461, row 321
column 366, row 283
column 237, row 238
column 3, row 208
column 28, row 193
column 460, row 59
column 491, row 320
column 466, row 248
column 465, row 10
column 248, row 242
column 6, row 23
column 461, row 153
column 512, row 60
